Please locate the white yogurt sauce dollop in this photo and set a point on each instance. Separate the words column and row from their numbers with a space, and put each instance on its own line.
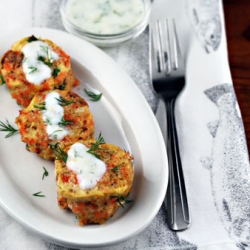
column 52, row 116
column 35, row 70
column 105, row 16
column 88, row 168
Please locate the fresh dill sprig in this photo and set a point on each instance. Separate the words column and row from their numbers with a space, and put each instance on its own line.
column 48, row 121
column 43, row 60
column 40, row 106
column 61, row 86
column 32, row 69
column 116, row 168
column 64, row 102
column 46, row 50
column 95, row 146
column 32, row 39
column 64, row 122
column 2, row 80
column 93, row 97
column 76, row 154
column 50, row 59
column 55, row 72
column 38, row 194
column 53, row 134
column 122, row 199
column 59, row 153
column 6, row 127
column 45, row 173
column 117, row 13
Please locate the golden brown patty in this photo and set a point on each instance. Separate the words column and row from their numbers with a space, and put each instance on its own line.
column 21, row 89
column 32, row 128
column 98, row 204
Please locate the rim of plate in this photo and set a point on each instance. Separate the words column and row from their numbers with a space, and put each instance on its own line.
column 143, row 134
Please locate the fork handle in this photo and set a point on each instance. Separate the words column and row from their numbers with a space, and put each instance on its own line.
column 176, row 199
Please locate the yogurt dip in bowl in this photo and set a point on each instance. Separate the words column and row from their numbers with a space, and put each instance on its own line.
column 105, row 23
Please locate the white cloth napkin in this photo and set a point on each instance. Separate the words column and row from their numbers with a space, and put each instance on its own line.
column 211, row 134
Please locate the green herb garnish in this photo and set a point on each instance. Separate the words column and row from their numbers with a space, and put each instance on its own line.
column 38, row 194
column 32, row 69
column 50, row 59
column 61, row 86
column 117, row 13
column 48, row 121
column 2, row 80
column 98, row 19
column 59, row 153
column 77, row 155
column 32, row 39
column 55, row 72
column 41, row 59
column 122, row 199
column 93, row 97
column 46, row 50
column 53, row 134
column 115, row 169
column 46, row 62
column 64, row 122
column 95, row 146
column 6, row 127
column 40, row 106
column 63, row 102
column 45, row 173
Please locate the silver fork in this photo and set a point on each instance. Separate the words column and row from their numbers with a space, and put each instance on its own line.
column 168, row 79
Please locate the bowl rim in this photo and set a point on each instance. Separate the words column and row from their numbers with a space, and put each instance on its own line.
column 133, row 30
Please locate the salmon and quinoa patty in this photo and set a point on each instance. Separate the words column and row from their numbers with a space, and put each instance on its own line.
column 94, row 205
column 76, row 122
column 35, row 64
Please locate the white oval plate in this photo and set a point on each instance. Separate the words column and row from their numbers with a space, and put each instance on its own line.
column 124, row 118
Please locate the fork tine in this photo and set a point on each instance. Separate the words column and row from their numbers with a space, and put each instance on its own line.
column 168, row 51
column 175, row 47
column 157, row 46
column 162, row 47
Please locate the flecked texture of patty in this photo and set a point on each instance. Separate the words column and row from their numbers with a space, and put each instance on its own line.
column 96, row 205
column 11, row 69
column 32, row 128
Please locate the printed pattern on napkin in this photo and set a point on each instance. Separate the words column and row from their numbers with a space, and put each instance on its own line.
column 229, row 166
column 205, row 19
